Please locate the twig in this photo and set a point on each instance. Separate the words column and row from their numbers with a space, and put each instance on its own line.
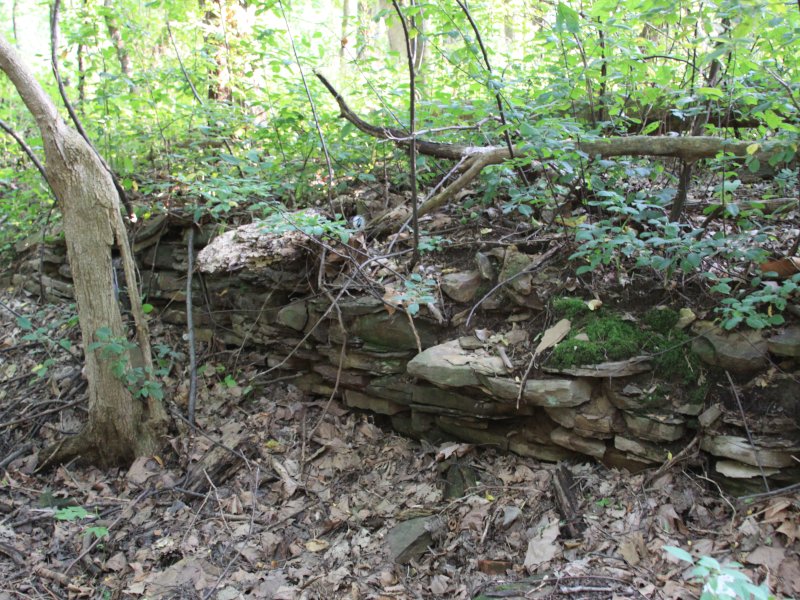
column 747, row 430
column 529, row 269
column 183, row 68
column 412, row 102
column 190, row 329
column 97, row 540
column 123, row 198
column 498, row 97
column 784, row 490
column 313, row 112
column 674, row 460
column 241, row 545
column 26, row 149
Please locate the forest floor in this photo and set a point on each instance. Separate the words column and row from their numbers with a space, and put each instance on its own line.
column 309, row 515
column 311, row 501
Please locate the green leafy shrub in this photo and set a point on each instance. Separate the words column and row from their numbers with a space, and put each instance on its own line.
column 721, row 582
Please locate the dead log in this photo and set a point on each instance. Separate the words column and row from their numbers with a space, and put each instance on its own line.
column 476, row 158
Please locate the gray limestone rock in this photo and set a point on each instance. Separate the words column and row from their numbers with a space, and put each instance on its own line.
column 786, row 343
column 450, row 365
column 461, row 286
column 541, row 392
column 740, row 352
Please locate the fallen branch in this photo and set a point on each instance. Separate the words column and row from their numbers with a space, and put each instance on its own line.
column 687, row 148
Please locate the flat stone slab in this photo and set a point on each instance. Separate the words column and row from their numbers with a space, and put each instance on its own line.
column 449, row 365
column 410, row 539
column 655, row 428
column 461, row 286
column 568, row 439
column 739, row 449
column 617, row 368
column 740, row 352
column 786, row 343
column 552, row 393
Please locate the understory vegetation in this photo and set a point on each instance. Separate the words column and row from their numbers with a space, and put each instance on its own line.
column 629, row 166
column 217, row 113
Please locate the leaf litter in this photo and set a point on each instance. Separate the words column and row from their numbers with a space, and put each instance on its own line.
column 313, row 495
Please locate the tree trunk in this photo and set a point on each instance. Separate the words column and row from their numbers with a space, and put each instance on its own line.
column 394, row 30
column 120, row 427
column 119, row 44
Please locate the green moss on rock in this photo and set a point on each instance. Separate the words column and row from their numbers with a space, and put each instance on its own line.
column 602, row 336
column 569, row 308
column 661, row 319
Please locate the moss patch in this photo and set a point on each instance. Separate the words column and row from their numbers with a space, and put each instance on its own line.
column 569, row 308
column 602, row 336
column 661, row 320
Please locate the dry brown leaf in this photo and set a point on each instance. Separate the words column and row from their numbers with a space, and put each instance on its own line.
column 553, row 335
column 542, row 547
column 594, row 304
column 784, row 267
column 633, row 548
column 316, row 545
column 790, row 529
column 769, row 557
column 449, row 449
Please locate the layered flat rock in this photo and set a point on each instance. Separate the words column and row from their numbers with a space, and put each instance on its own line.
column 786, row 343
column 656, row 428
column 540, row 392
column 739, row 449
column 617, row 368
column 449, row 365
column 740, row 352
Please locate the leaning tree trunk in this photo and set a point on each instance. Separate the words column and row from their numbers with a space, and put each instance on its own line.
column 120, row 427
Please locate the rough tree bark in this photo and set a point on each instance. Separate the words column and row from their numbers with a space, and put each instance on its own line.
column 120, row 427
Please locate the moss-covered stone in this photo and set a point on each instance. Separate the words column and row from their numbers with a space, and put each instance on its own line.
column 602, row 336
column 569, row 308
column 661, row 319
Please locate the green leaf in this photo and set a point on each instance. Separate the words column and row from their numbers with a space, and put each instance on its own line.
column 710, row 92
column 679, row 553
column 147, row 308
column 97, row 531
column 71, row 513
column 567, row 18
column 651, row 128
column 24, row 323
column 773, row 120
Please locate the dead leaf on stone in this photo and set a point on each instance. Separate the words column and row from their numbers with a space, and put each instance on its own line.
column 790, row 529
column 476, row 517
column 483, row 334
column 777, row 511
column 553, row 335
column 439, row 584
column 118, row 562
column 668, row 518
column 789, row 574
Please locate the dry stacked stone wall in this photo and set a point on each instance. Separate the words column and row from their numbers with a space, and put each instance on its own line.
column 260, row 290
